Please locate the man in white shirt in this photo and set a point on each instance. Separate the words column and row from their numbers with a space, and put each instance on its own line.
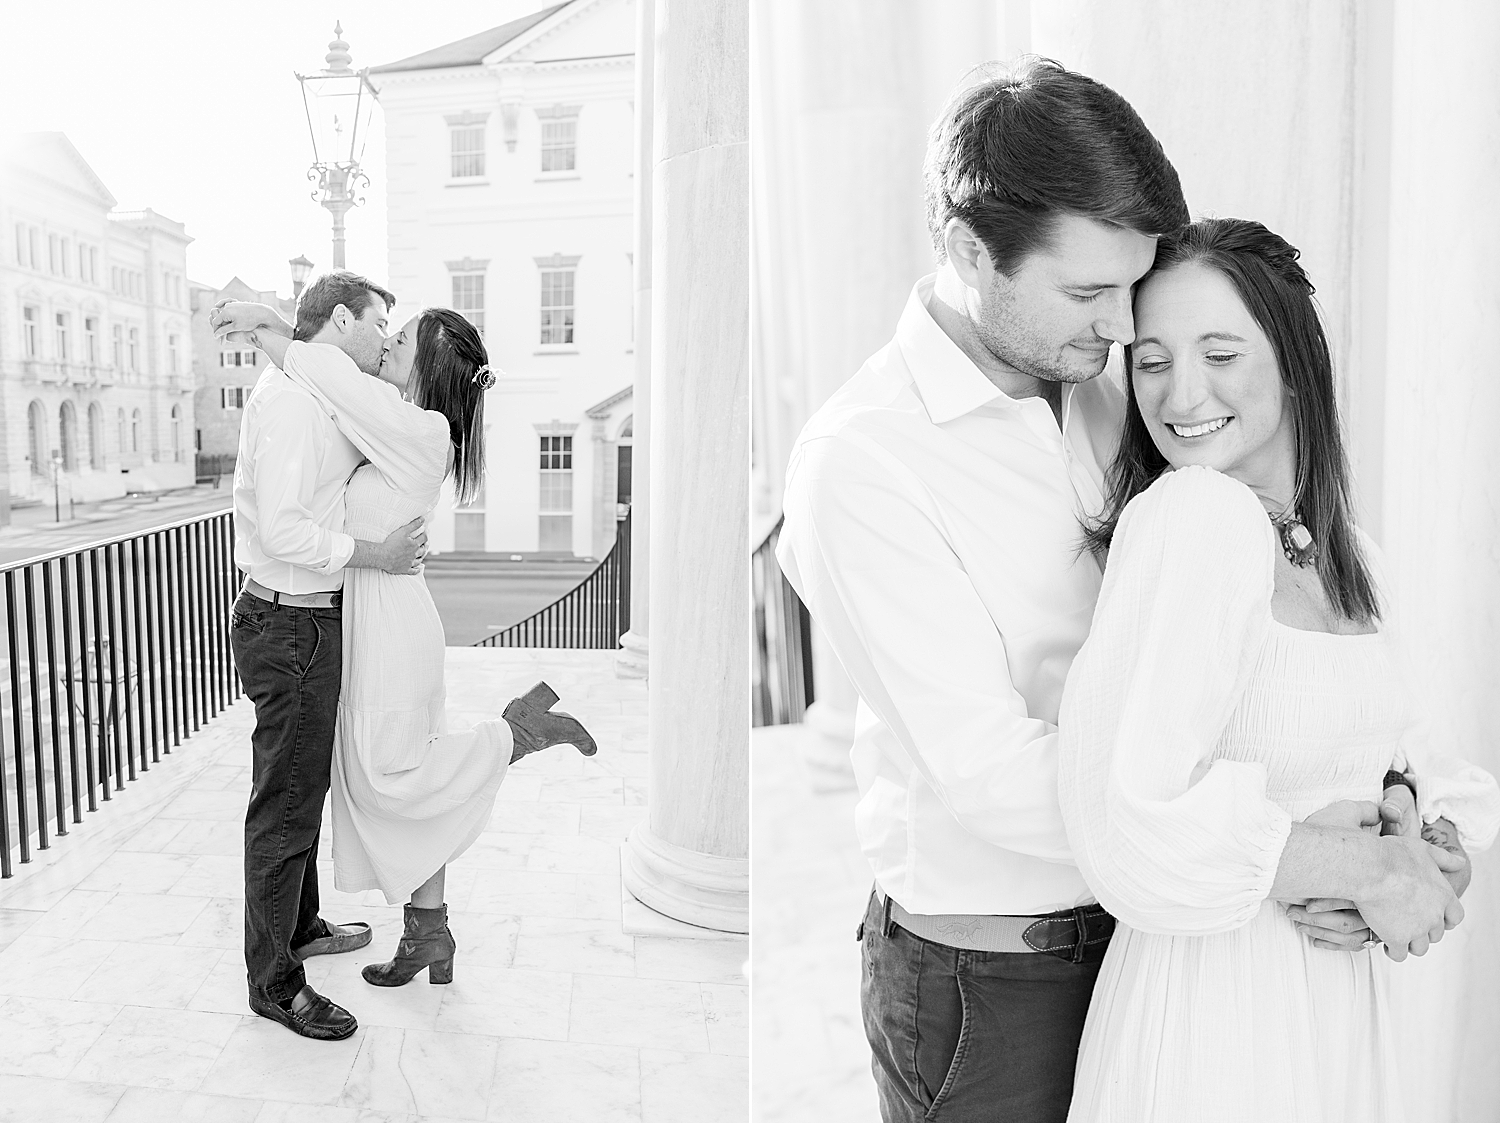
column 289, row 540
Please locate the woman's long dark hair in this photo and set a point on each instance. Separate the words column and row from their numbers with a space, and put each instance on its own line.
column 1264, row 271
column 444, row 377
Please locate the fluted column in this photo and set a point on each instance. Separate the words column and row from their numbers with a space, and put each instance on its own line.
column 632, row 659
column 690, row 858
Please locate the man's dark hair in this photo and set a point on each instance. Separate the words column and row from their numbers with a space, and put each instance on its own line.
column 1019, row 146
column 320, row 298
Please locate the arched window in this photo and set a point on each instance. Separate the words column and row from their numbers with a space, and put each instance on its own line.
column 120, row 424
column 67, row 436
column 135, row 431
column 176, row 433
column 36, row 432
column 96, row 437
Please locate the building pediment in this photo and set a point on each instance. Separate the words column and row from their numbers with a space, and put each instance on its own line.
column 51, row 156
column 579, row 31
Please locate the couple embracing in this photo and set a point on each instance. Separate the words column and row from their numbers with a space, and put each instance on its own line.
column 1149, row 815
column 344, row 447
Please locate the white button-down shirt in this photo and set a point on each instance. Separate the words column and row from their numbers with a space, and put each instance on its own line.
column 289, row 484
column 932, row 528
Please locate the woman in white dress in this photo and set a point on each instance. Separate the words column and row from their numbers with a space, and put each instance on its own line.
column 1234, row 714
column 407, row 797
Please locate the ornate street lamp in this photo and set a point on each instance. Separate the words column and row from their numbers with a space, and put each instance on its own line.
column 301, row 268
column 339, row 102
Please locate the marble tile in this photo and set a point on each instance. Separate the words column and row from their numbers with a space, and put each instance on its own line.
column 519, row 789
column 138, row 873
column 599, row 896
column 546, row 1081
column 640, row 920
column 484, row 939
column 146, row 918
column 32, row 1099
column 535, row 818
column 206, row 836
column 220, row 807
column 149, row 1048
column 47, row 1036
column 71, row 915
column 497, row 850
column 595, row 947
column 561, row 760
column 213, row 875
column 155, row 836
column 219, row 777
column 572, row 854
column 706, row 961
column 612, row 824
column 524, row 892
column 46, row 967
column 153, row 1105
column 622, row 762
column 608, row 790
column 164, row 976
column 413, row 1006
column 264, row 1060
column 422, row 1073
column 13, row 922
column 693, row 1088
column 220, row 924
column 636, row 791
column 726, row 1009
column 224, row 990
column 639, row 1012
column 509, row 1002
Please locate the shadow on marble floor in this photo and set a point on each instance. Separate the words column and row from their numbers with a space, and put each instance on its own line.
column 122, row 987
column 808, row 893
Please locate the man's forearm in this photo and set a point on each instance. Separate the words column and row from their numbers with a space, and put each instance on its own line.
column 1327, row 862
column 370, row 555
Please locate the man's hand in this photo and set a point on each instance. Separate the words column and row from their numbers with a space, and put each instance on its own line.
column 401, row 553
column 239, row 319
column 1411, row 904
column 1398, row 812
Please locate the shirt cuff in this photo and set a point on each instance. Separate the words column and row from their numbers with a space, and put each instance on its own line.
column 342, row 550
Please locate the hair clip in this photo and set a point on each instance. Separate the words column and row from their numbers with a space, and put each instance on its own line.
column 484, row 378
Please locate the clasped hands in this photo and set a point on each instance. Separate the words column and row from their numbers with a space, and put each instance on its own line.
column 1425, row 872
column 236, row 321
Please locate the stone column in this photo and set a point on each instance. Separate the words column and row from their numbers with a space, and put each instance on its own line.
column 690, row 858
column 633, row 659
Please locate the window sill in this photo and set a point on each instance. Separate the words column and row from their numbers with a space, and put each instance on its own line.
column 468, row 181
column 556, row 349
column 552, row 177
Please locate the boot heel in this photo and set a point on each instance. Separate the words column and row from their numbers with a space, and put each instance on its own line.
column 440, row 972
column 540, row 697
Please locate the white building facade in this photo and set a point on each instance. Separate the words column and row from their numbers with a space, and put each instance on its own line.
column 510, row 159
column 95, row 346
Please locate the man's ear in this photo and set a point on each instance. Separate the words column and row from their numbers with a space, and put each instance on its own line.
column 971, row 261
column 340, row 317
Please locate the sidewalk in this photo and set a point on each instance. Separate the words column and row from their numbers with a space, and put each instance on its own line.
column 122, row 987
column 33, row 530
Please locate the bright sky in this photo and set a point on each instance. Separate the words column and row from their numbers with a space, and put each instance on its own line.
column 191, row 109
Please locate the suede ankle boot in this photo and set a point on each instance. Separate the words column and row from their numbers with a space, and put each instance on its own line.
column 534, row 726
column 425, row 942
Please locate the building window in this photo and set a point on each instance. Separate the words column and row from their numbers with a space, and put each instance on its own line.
column 34, row 242
column 171, row 354
column 557, row 306
column 468, row 298
column 555, row 505
column 119, row 347
column 96, row 436
column 52, row 254
column 135, row 351
column 120, row 425
column 238, row 358
column 468, row 523
column 176, row 434
column 64, row 251
column 22, row 258
column 91, row 340
column 36, row 433
column 559, row 139
column 135, row 431
column 233, row 397
column 30, row 325
column 60, row 331
column 83, row 262
column 467, row 155
column 67, row 435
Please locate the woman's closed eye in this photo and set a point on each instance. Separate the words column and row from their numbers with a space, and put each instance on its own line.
column 1151, row 364
column 1219, row 358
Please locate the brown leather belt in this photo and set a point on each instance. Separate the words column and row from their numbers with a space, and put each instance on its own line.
column 1067, row 934
column 294, row 600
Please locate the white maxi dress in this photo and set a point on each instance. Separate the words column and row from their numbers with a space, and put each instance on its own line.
column 1194, row 730
column 406, row 795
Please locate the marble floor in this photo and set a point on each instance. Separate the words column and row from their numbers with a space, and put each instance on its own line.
column 122, row 986
column 808, row 893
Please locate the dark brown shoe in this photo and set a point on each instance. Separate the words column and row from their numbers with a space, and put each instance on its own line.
column 535, row 726
column 340, row 938
column 311, row 1015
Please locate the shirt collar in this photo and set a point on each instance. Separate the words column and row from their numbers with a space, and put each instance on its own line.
column 948, row 381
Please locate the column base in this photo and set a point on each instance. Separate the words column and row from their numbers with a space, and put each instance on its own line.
column 698, row 889
column 632, row 661
column 826, row 752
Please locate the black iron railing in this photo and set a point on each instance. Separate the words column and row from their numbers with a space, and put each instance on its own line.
column 112, row 654
column 783, row 666
column 593, row 614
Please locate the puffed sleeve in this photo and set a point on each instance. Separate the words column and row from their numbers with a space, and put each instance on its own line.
column 407, row 444
column 1448, row 787
column 1170, row 843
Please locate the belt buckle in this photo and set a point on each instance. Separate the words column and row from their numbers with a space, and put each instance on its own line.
column 335, row 599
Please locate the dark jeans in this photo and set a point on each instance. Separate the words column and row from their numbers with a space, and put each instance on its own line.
column 971, row 1036
column 290, row 661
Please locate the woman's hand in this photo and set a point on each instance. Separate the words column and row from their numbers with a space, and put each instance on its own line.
column 230, row 318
